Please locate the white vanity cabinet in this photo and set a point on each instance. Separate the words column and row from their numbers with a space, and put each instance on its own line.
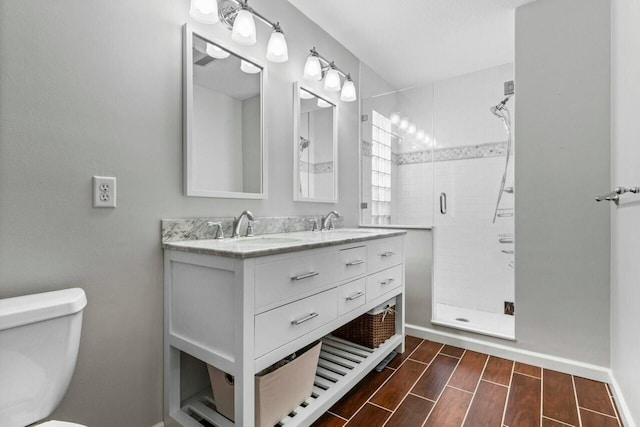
column 242, row 312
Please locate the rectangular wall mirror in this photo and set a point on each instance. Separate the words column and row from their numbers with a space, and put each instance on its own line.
column 315, row 147
column 224, row 142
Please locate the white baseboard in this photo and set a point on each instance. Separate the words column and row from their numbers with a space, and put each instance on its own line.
column 573, row 367
column 621, row 403
column 160, row 424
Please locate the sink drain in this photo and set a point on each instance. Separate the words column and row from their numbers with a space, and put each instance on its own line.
column 462, row 319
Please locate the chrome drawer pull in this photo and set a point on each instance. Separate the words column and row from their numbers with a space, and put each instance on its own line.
column 356, row 262
column 355, row 296
column 387, row 254
column 304, row 319
column 305, row 276
column 387, row 282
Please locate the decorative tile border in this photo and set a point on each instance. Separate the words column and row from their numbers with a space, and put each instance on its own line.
column 366, row 148
column 197, row 229
column 316, row 168
column 492, row 149
column 324, row 167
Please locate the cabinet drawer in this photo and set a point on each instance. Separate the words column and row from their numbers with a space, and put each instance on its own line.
column 352, row 262
column 276, row 281
column 384, row 254
column 279, row 326
column 383, row 281
column 351, row 295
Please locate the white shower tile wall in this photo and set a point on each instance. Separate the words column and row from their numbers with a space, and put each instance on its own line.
column 470, row 268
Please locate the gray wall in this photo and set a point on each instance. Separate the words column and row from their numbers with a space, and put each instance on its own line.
column 94, row 88
column 562, row 143
column 625, row 219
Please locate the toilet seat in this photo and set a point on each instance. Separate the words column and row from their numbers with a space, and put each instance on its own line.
column 54, row 423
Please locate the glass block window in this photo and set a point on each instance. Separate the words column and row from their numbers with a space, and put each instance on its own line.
column 381, row 139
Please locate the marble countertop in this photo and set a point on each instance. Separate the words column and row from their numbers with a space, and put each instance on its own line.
column 270, row 244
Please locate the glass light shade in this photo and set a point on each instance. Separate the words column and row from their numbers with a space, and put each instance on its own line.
column 420, row 135
column 204, row 11
column 312, row 68
column 277, row 50
column 348, row 93
column 249, row 68
column 306, row 95
column 332, row 81
column 395, row 118
column 404, row 123
column 411, row 129
column 322, row 103
column 215, row 52
column 244, row 28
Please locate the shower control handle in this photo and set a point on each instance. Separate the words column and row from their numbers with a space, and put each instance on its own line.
column 443, row 203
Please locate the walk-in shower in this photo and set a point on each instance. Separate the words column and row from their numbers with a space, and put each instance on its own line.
column 473, row 269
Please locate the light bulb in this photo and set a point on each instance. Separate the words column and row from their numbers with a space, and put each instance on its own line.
column 306, row 95
column 323, row 104
column 277, row 50
column 312, row 68
column 395, row 118
column 404, row 123
column 215, row 52
column 249, row 68
column 411, row 129
column 348, row 93
column 420, row 135
column 204, row 11
column 244, row 28
column 332, row 81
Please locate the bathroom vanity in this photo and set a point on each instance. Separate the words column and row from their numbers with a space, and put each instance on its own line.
column 243, row 304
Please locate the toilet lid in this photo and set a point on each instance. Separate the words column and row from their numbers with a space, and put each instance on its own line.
column 54, row 423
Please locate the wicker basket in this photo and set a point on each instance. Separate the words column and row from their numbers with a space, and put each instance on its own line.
column 372, row 328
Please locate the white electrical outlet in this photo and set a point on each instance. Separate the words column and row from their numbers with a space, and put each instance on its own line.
column 104, row 192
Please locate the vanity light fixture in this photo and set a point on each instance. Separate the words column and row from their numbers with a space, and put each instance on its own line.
column 248, row 67
column 277, row 50
column 243, row 30
column 323, row 104
column 348, row 93
column 306, row 95
column 318, row 67
column 215, row 52
column 238, row 17
column 204, row 11
column 332, row 79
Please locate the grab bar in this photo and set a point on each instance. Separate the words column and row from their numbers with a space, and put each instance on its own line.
column 614, row 195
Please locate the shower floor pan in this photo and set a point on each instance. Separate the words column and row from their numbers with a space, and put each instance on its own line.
column 482, row 322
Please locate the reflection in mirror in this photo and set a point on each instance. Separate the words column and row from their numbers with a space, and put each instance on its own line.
column 223, row 122
column 315, row 148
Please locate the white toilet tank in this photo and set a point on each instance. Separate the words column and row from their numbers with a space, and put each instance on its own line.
column 39, row 339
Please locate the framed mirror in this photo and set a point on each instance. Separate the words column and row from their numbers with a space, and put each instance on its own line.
column 224, row 145
column 315, row 147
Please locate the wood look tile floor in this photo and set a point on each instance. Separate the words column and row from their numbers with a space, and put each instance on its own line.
column 438, row 385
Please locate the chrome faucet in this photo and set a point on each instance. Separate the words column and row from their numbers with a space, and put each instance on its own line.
column 237, row 222
column 325, row 223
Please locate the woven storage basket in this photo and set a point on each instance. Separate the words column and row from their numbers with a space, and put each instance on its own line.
column 371, row 330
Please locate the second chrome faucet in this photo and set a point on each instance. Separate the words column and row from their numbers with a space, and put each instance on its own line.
column 326, row 223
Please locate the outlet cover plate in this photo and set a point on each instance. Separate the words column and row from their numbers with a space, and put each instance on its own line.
column 104, row 192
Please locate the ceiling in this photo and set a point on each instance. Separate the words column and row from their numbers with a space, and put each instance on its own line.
column 413, row 42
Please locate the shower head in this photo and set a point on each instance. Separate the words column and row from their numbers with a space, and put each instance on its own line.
column 496, row 109
column 304, row 143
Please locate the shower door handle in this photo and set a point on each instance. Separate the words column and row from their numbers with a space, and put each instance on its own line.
column 443, row 203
